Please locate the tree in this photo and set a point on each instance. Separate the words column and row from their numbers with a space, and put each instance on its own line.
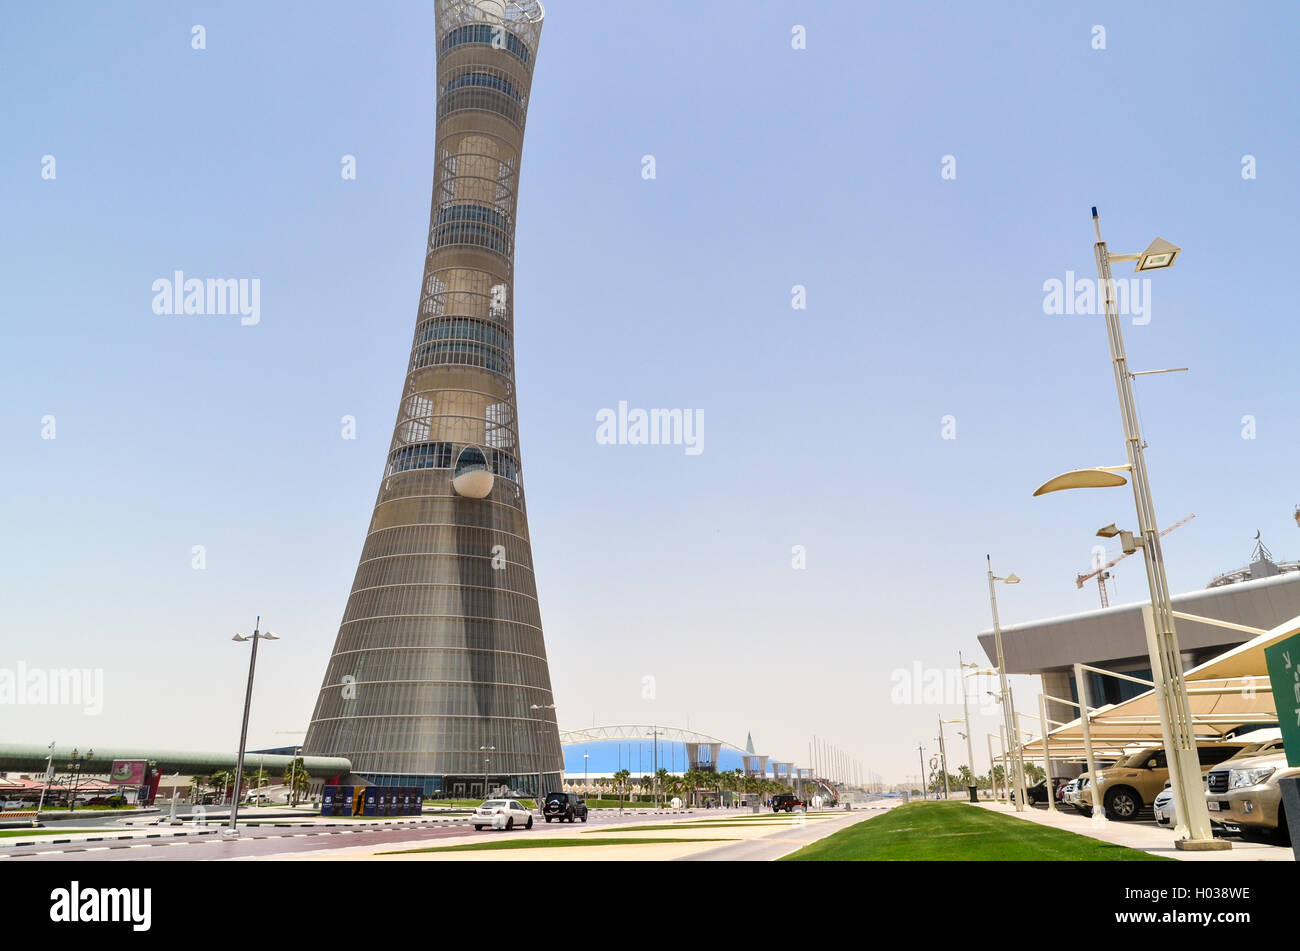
column 222, row 779
column 662, row 778
column 620, row 779
column 297, row 778
column 254, row 779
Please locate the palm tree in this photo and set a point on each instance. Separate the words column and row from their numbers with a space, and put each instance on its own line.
column 222, row 779
column 661, row 782
column 620, row 780
column 297, row 778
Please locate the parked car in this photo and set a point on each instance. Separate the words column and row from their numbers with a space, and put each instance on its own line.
column 1126, row 788
column 1164, row 808
column 564, row 806
column 1038, row 792
column 1245, row 792
column 787, row 802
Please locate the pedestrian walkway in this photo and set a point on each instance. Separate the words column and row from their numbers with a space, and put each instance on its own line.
column 1145, row 836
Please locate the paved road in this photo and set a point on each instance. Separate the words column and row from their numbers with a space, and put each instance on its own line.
column 257, row 841
column 787, row 839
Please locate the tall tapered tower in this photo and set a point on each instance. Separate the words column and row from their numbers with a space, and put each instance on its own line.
column 439, row 671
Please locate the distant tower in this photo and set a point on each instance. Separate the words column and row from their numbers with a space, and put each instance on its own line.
column 439, row 672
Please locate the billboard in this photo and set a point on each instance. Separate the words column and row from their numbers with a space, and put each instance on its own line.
column 127, row 772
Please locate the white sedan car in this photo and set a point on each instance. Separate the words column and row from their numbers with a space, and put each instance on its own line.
column 1166, row 812
column 501, row 814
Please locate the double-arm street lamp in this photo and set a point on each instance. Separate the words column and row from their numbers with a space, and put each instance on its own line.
column 257, row 635
column 1008, row 704
column 1162, row 640
column 75, row 767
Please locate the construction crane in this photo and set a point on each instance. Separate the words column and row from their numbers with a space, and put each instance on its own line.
column 1103, row 573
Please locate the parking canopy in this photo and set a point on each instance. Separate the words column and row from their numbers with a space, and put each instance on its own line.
column 1224, row 693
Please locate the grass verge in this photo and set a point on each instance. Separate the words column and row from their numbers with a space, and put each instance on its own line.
column 952, row 831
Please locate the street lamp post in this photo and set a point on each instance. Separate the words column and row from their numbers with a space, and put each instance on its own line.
column 1008, row 705
column 1047, row 754
column 943, row 759
column 540, row 723
column 49, row 772
column 293, row 778
column 973, row 788
column 486, row 762
column 1162, row 640
column 920, row 749
column 654, row 732
column 257, row 635
column 993, row 783
column 78, row 761
column 1006, row 765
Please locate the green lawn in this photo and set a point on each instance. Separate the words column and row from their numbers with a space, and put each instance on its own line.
column 953, row 831
column 16, row 833
column 497, row 844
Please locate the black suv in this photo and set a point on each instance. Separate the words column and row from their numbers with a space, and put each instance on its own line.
column 787, row 801
column 563, row 806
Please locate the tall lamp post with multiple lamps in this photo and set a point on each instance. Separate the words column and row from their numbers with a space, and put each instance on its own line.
column 1162, row 640
column 75, row 767
column 257, row 635
column 1004, row 695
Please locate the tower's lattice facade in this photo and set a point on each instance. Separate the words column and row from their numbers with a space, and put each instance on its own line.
column 439, row 672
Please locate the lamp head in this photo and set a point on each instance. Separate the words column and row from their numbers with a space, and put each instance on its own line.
column 1159, row 254
column 1109, row 531
column 1011, row 579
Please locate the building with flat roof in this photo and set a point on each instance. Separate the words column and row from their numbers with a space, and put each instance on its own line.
column 1114, row 638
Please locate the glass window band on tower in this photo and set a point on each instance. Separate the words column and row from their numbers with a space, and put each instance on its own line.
column 439, row 674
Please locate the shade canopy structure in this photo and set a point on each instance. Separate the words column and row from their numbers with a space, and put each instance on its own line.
column 1225, row 693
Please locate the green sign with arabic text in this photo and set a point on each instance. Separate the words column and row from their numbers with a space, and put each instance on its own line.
column 1283, row 660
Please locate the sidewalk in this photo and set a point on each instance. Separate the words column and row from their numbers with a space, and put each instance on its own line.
column 1144, row 836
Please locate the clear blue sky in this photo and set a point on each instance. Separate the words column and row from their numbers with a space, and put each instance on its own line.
column 775, row 167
